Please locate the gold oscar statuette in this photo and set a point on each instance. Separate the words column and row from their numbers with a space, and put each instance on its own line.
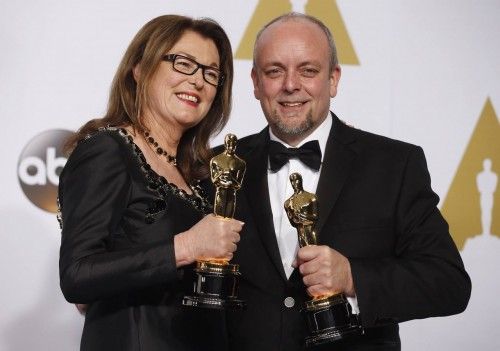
column 328, row 317
column 216, row 280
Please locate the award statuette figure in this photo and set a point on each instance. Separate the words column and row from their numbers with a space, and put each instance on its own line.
column 328, row 317
column 216, row 280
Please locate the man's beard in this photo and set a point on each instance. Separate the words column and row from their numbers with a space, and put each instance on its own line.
column 282, row 128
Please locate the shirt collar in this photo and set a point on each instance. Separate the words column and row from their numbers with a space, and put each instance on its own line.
column 320, row 134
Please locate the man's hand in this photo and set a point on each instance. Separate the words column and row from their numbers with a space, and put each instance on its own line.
column 325, row 271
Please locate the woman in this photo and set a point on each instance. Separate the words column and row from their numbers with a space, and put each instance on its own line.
column 132, row 215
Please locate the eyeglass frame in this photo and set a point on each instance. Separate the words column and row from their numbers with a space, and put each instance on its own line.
column 173, row 57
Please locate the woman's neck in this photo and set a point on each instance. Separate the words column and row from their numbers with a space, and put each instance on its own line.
column 166, row 134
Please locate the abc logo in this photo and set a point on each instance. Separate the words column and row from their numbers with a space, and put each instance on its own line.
column 39, row 167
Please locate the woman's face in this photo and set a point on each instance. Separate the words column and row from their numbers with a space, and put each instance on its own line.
column 181, row 100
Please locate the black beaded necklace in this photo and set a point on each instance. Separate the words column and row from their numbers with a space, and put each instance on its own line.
column 159, row 150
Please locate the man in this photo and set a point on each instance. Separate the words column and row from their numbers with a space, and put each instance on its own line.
column 381, row 240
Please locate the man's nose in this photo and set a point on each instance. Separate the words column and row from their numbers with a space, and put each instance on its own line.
column 292, row 82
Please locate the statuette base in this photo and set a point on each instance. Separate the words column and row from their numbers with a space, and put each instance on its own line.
column 330, row 319
column 215, row 286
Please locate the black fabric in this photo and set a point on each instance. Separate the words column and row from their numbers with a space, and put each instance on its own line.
column 117, row 252
column 309, row 154
column 377, row 208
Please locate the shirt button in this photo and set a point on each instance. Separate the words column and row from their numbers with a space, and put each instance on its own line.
column 289, row 302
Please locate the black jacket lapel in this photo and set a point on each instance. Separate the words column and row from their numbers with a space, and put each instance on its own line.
column 337, row 164
column 256, row 191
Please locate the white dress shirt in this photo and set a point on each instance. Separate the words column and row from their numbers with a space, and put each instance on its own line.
column 281, row 189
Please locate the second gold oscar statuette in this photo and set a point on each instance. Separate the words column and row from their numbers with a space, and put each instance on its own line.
column 328, row 318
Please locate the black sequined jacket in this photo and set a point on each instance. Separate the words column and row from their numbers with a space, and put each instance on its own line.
column 119, row 219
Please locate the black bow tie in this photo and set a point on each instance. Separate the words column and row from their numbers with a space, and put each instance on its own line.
column 309, row 154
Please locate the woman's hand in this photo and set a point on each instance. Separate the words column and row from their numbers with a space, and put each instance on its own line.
column 211, row 238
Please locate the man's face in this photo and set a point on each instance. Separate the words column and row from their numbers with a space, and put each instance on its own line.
column 292, row 78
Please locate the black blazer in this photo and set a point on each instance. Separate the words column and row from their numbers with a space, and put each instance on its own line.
column 377, row 208
column 117, row 251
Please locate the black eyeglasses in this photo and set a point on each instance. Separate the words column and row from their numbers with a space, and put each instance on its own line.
column 188, row 66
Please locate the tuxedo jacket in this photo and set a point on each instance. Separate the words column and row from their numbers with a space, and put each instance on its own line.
column 377, row 208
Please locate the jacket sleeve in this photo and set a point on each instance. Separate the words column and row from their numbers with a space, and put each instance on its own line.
column 426, row 276
column 93, row 193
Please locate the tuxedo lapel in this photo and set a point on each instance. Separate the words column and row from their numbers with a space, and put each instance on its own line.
column 255, row 188
column 337, row 164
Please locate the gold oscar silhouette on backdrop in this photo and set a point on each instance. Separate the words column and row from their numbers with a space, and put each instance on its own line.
column 325, row 10
column 216, row 280
column 330, row 317
column 461, row 206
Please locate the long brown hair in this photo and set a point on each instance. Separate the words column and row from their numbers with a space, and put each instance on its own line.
column 127, row 98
